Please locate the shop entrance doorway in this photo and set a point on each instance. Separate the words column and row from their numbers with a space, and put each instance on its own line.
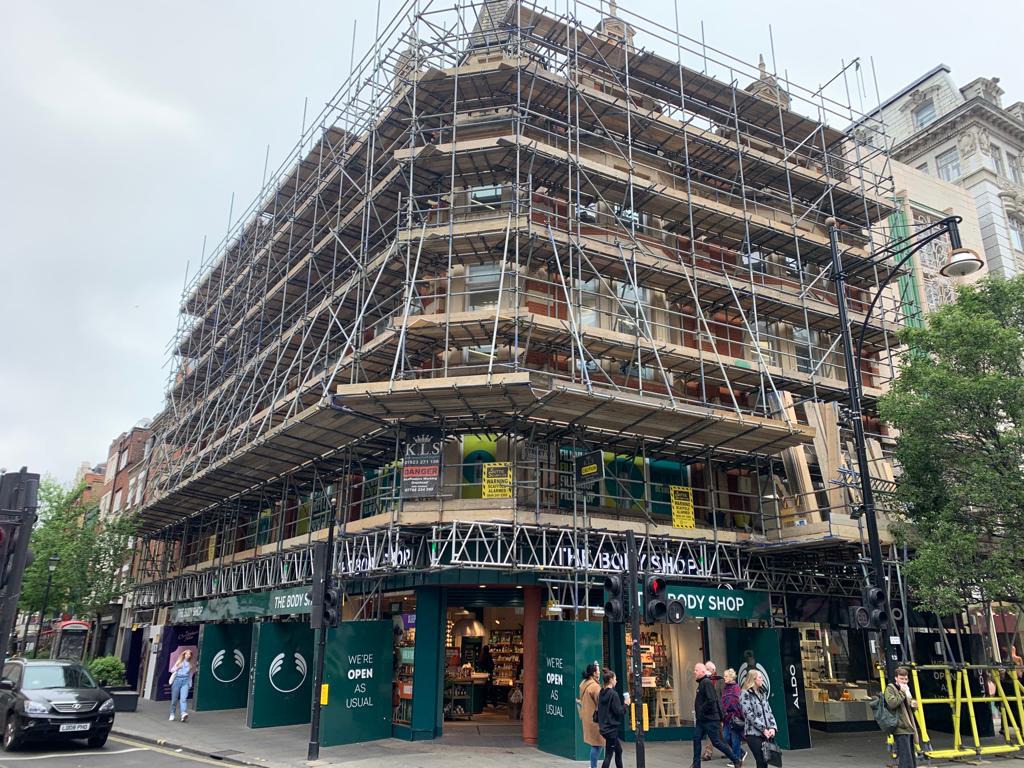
column 484, row 651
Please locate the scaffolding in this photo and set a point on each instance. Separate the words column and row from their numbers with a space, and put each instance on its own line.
column 560, row 231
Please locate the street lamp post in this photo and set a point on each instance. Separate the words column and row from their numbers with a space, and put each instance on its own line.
column 51, row 566
column 962, row 261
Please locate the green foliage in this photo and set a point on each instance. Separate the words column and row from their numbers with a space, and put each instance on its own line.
column 92, row 553
column 958, row 404
column 107, row 670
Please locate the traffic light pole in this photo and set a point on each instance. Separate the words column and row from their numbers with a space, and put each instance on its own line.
column 889, row 652
column 635, row 671
column 322, row 573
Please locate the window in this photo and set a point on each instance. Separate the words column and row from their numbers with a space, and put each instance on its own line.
column 482, row 286
column 117, row 503
column 1013, row 167
column 627, row 216
column 924, row 115
column 489, row 195
column 122, row 460
column 130, row 496
column 628, row 312
column 587, row 213
column 803, row 343
column 948, row 164
column 997, row 160
column 755, row 261
column 1016, row 233
column 923, row 167
column 590, row 294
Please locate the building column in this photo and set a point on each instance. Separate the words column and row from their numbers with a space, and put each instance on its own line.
column 531, row 653
column 428, row 669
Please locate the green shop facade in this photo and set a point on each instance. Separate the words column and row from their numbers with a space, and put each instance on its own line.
column 255, row 654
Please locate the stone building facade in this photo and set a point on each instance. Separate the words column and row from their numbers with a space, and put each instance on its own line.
column 963, row 135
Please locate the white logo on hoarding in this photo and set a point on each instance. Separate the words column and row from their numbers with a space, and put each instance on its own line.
column 278, row 663
column 218, row 659
column 766, row 681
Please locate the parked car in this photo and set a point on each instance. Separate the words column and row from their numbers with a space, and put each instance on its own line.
column 47, row 700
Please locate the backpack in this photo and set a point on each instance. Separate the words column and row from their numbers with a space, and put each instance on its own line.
column 887, row 719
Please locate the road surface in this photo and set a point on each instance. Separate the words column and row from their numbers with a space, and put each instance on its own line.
column 117, row 753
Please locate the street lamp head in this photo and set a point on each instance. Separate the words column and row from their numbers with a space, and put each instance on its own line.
column 52, row 561
column 961, row 262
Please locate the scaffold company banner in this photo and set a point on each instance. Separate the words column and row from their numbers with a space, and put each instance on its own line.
column 421, row 463
column 277, row 602
column 497, row 477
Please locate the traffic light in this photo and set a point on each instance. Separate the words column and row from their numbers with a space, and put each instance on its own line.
column 655, row 599
column 876, row 604
column 616, row 598
column 859, row 617
column 331, row 604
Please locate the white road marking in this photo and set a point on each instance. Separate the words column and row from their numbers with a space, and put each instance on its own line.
column 52, row 755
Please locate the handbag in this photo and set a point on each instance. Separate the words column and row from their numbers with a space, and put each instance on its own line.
column 737, row 723
column 772, row 753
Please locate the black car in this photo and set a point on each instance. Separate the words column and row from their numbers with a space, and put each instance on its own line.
column 52, row 700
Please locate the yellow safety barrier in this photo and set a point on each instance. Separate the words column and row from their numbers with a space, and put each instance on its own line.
column 958, row 695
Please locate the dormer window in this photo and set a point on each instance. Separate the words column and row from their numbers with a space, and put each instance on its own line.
column 924, row 115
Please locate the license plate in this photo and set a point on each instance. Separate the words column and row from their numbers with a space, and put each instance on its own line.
column 66, row 727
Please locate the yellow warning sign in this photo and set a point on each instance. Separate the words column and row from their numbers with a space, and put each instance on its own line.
column 682, row 506
column 497, row 480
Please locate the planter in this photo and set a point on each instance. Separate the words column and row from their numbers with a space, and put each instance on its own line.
column 126, row 698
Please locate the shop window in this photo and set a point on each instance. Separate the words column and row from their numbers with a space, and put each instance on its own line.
column 482, row 286
column 403, row 620
column 948, row 164
column 667, row 655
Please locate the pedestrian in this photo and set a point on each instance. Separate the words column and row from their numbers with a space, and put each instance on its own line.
column 590, row 692
column 610, row 712
column 707, row 709
column 181, row 683
column 759, row 723
column 732, row 713
column 899, row 700
column 485, row 663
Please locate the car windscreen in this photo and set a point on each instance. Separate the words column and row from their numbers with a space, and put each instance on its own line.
column 39, row 676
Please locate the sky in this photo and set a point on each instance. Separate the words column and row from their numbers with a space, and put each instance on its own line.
column 127, row 128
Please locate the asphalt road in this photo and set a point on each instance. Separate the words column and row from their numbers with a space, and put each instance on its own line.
column 117, row 753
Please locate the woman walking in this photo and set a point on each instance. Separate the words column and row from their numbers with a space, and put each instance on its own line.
column 759, row 723
column 609, row 719
column 732, row 714
column 181, row 683
column 590, row 692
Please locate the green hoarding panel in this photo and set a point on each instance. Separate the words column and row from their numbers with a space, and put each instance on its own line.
column 776, row 654
column 222, row 674
column 281, row 682
column 358, row 668
column 566, row 647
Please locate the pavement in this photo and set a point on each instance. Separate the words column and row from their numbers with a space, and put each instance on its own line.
column 223, row 736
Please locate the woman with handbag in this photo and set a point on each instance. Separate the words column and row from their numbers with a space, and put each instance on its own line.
column 759, row 724
column 732, row 714
column 590, row 691
column 181, row 683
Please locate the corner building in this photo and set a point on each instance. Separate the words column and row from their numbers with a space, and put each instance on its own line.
column 515, row 239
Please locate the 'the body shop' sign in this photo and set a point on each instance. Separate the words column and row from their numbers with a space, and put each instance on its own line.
column 421, row 463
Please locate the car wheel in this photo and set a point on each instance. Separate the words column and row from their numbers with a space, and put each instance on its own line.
column 97, row 741
column 12, row 739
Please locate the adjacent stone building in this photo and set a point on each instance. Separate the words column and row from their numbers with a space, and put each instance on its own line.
column 966, row 136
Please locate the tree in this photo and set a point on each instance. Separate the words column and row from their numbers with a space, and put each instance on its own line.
column 93, row 554
column 958, row 404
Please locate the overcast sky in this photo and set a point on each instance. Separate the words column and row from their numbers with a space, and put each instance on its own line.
column 127, row 126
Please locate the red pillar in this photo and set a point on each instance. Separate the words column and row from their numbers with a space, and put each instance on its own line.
column 531, row 622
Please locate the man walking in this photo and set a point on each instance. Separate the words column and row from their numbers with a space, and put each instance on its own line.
column 707, row 709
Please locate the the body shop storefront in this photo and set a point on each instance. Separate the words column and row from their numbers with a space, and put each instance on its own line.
column 720, row 624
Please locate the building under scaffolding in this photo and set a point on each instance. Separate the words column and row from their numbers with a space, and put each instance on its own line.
column 533, row 236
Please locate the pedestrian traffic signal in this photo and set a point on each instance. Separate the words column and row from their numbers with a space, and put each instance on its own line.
column 877, row 607
column 655, row 599
column 616, row 598
column 676, row 612
column 859, row 617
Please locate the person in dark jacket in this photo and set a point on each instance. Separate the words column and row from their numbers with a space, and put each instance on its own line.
column 707, row 713
column 485, row 663
column 610, row 712
column 899, row 699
